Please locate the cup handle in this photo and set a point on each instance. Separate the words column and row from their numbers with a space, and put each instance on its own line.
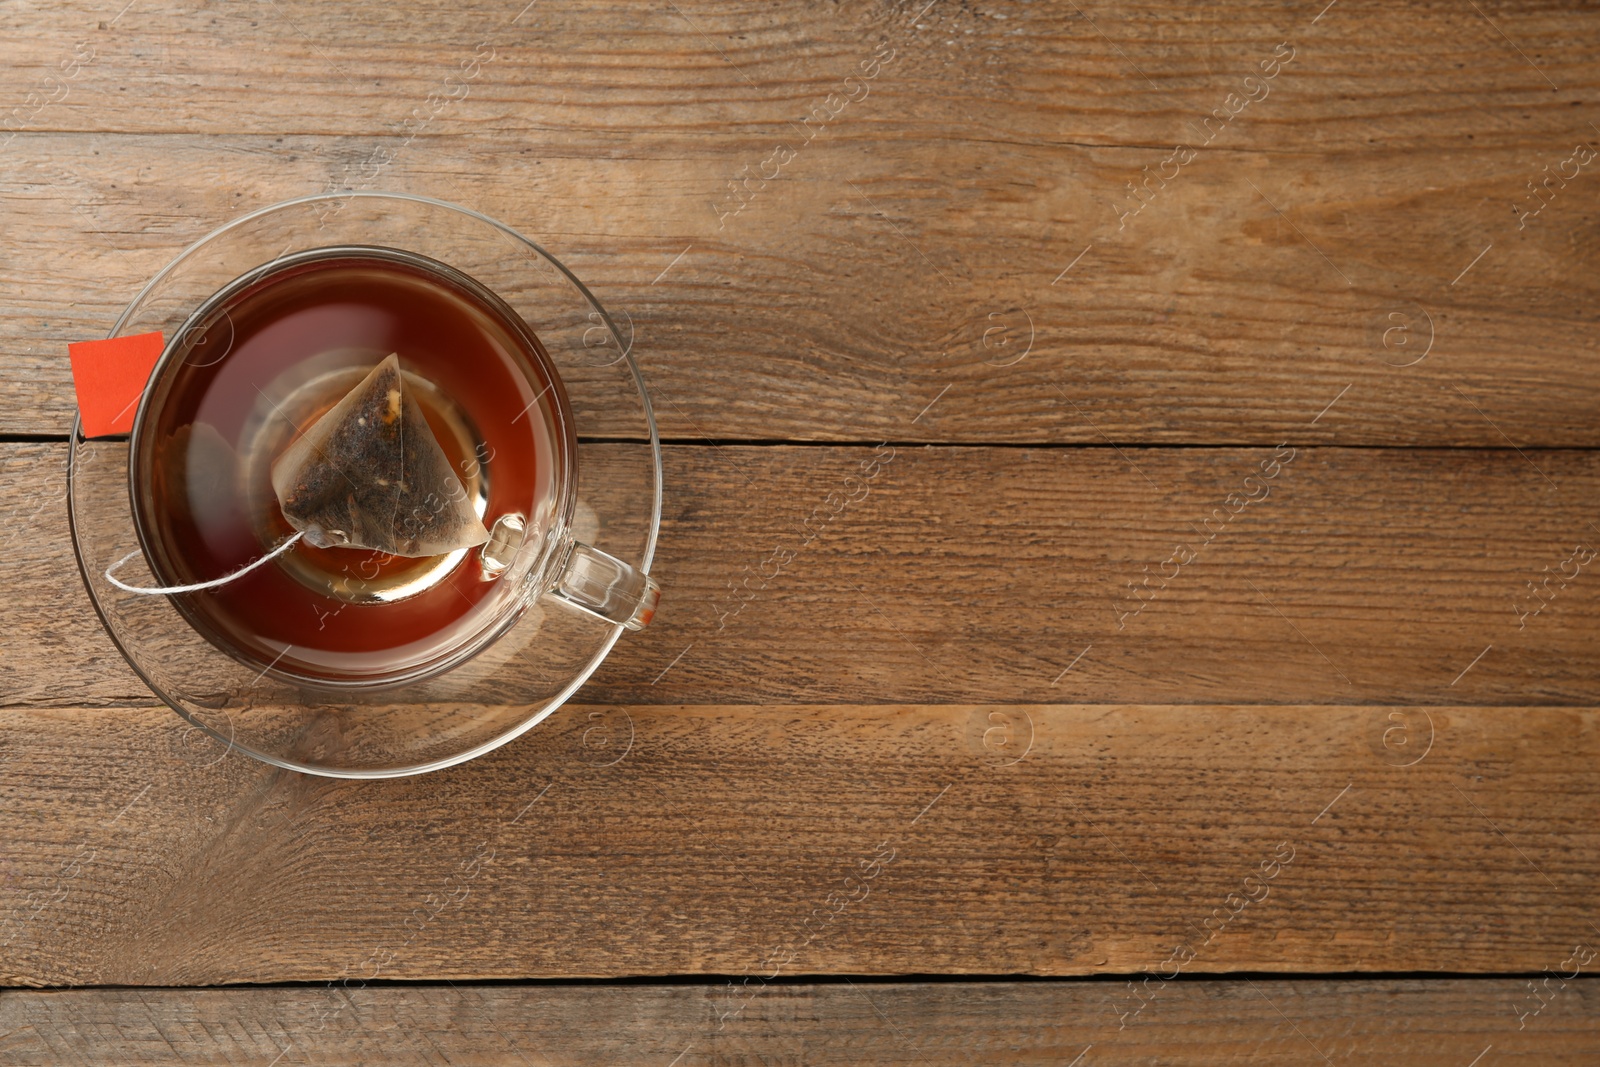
column 603, row 586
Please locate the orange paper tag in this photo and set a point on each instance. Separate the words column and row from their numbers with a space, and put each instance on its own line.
column 110, row 377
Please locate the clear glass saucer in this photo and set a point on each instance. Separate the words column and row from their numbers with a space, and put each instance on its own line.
column 545, row 651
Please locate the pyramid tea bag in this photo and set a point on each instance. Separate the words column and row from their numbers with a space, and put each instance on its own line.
column 370, row 474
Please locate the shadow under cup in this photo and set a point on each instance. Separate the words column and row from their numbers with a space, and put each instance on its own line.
column 260, row 362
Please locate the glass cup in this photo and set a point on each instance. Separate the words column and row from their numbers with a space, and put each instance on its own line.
column 564, row 573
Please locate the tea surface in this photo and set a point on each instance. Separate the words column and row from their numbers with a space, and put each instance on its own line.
column 261, row 368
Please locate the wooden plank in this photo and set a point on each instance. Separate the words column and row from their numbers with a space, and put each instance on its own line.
column 818, row 320
column 1012, row 71
column 1290, row 263
column 1424, row 1023
column 794, row 840
column 1003, row 575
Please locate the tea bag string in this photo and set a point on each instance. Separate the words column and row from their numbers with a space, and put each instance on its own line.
column 197, row 586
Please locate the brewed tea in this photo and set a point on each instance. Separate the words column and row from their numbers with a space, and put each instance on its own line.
column 261, row 364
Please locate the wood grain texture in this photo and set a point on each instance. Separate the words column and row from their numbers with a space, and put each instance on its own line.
column 921, row 574
column 794, row 840
column 1106, row 709
column 1329, row 235
column 1434, row 1024
column 1002, row 70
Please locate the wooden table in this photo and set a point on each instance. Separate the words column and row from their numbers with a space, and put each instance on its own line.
column 1131, row 486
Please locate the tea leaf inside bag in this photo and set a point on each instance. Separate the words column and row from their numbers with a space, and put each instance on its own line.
column 370, row 474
